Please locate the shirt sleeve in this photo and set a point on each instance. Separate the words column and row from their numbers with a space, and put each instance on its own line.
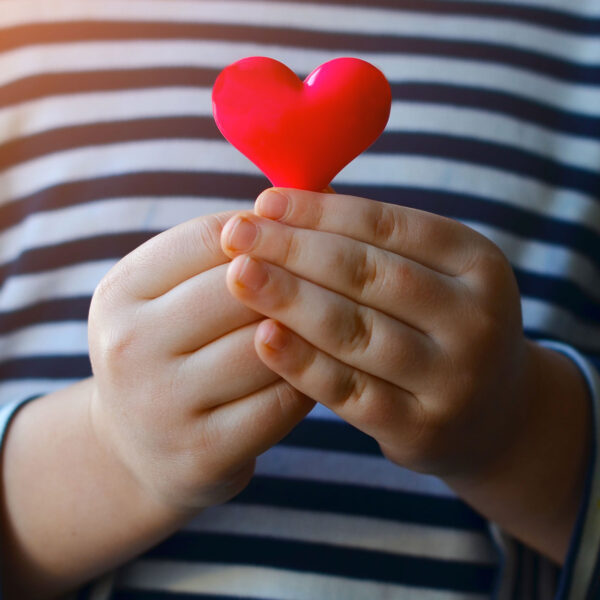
column 526, row 575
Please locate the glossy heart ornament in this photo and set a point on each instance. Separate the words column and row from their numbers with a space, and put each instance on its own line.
column 300, row 134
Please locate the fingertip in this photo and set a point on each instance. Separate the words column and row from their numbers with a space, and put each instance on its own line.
column 272, row 204
column 272, row 335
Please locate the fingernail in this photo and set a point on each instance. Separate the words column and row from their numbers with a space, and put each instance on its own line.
column 243, row 235
column 272, row 205
column 249, row 273
column 275, row 337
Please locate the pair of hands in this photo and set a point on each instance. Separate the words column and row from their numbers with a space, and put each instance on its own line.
column 404, row 323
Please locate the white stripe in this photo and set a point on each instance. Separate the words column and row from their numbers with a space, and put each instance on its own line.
column 80, row 56
column 72, row 110
column 117, row 159
column 107, row 217
column 77, row 280
column 543, row 316
column 346, row 468
column 12, row 391
column 274, row 584
column 544, row 259
column 348, row 531
column 374, row 169
column 486, row 126
column 50, row 339
column 318, row 17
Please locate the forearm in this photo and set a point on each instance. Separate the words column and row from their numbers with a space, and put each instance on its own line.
column 534, row 489
column 71, row 511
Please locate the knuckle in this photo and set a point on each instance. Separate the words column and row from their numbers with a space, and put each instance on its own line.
column 352, row 330
column 112, row 288
column 117, row 346
column 291, row 249
column 388, row 223
column 114, row 349
column 208, row 232
column 317, row 209
column 350, row 389
column 483, row 258
column 363, row 271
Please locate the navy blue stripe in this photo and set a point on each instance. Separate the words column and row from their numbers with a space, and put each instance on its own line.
column 589, row 347
column 52, row 84
column 490, row 154
column 84, row 593
column 101, row 247
column 331, row 435
column 363, row 501
column 561, row 292
column 497, row 101
column 550, row 66
column 46, row 367
column 48, row 311
column 65, row 138
column 464, row 149
column 560, row 20
column 165, row 184
column 325, row 559
column 516, row 594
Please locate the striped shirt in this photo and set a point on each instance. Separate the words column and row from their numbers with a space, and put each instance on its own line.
column 106, row 139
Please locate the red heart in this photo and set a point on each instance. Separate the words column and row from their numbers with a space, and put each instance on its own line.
column 301, row 134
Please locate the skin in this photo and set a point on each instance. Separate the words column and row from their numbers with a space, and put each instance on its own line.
column 408, row 326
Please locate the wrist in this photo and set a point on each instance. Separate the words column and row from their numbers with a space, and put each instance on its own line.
column 533, row 486
column 51, row 453
column 113, row 453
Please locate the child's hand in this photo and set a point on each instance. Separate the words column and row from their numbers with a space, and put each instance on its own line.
column 180, row 395
column 405, row 323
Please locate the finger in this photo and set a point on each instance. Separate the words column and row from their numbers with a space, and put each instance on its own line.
column 374, row 406
column 437, row 242
column 249, row 426
column 388, row 282
column 196, row 312
column 202, row 382
column 354, row 334
column 170, row 257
